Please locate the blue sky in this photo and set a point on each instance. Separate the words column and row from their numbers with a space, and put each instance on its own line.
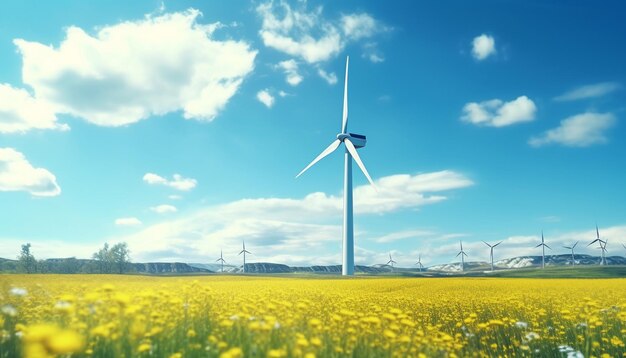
column 178, row 127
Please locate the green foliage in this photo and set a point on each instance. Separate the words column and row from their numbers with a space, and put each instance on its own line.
column 27, row 262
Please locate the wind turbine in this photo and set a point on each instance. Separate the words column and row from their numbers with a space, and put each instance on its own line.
column 244, row 252
column 491, row 251
column 391, row 262
column 601, row 242
column 624, row 245
column 222, row 260
column 352, row 142
column 419, row 262
column 572, row 248
column 604, row 251
column 462, row 253
column 543, row 254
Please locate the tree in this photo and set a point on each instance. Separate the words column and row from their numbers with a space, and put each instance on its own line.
column 120, row 256
column 103, row 257
column 26, row 260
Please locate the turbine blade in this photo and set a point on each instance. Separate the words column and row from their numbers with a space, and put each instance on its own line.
column 358, row 161
column 344, row 121
column 575, row 244
column 240, row 252
column 593, row 242
column 457, row 255
column 487, row 243
column 331, row 148
column 546, row 245
column 497, row 244
column 537, row 245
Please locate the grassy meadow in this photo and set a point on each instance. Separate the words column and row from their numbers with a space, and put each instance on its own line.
column 250, row 316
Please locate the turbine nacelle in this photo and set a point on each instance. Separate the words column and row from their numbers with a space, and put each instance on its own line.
column 358, row 140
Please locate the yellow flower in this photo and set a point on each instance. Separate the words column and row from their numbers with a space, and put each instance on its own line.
column 65, row 342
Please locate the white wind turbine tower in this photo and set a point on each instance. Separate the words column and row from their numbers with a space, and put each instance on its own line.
column 462, row 253
column 604, row 250
column 419, row 262
column 491, row 251
column 391, row 262
column 543, row 254
column 221, row 259
column 352, row 142
column 572, row 248
column 602, row 244
column 244, row 252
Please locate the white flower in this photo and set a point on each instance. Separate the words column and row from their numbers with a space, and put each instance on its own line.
column 532, row 335
column 576, row 354
column 17, row 291
column 9, row 310
column 521, row 324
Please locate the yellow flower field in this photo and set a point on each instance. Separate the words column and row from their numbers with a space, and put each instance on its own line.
column 234, row 316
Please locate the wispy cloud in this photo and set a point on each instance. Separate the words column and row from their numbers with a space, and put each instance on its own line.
column 290, row 67
column 284, row 229
column 331, row 78
column 483, row 46
column 589, row 91
column 497, row 113
column 18, row 174
column 129, row 221
column 178, row 182
column 581, row 130
column 137, row 69
column 266, row 98
column 164, row 209
column 403, row 235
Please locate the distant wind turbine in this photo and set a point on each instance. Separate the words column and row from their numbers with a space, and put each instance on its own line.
column 419, row 262
column 602, row 244
column 391, row 262
column 491, row 251
column 624, row 245
column 572, row 248
column 221, row 259
column 462, row 253
column 543, row 254
column 244, row 252
column 352, row 142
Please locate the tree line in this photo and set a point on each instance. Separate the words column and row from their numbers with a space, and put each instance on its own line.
column 108, row 259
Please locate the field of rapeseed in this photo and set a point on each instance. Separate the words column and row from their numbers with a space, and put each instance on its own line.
column 219, row 316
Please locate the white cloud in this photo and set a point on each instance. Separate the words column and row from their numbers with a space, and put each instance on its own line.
column 130, row 221
column 331, row 78
column 174, row 197
column 135, row 69
column 290, row 67
column 21, row 112
column 581, row 130
column 497, row 113
column 17, row 174
column 286, row 230
column 357, row 26
column 403, row 235
column 177, row 182
column 283, row 93
column 308, row 35
column 589, row 91
column 164, row 209
column 370, row 51
column 266, row 98
column 483, row 46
